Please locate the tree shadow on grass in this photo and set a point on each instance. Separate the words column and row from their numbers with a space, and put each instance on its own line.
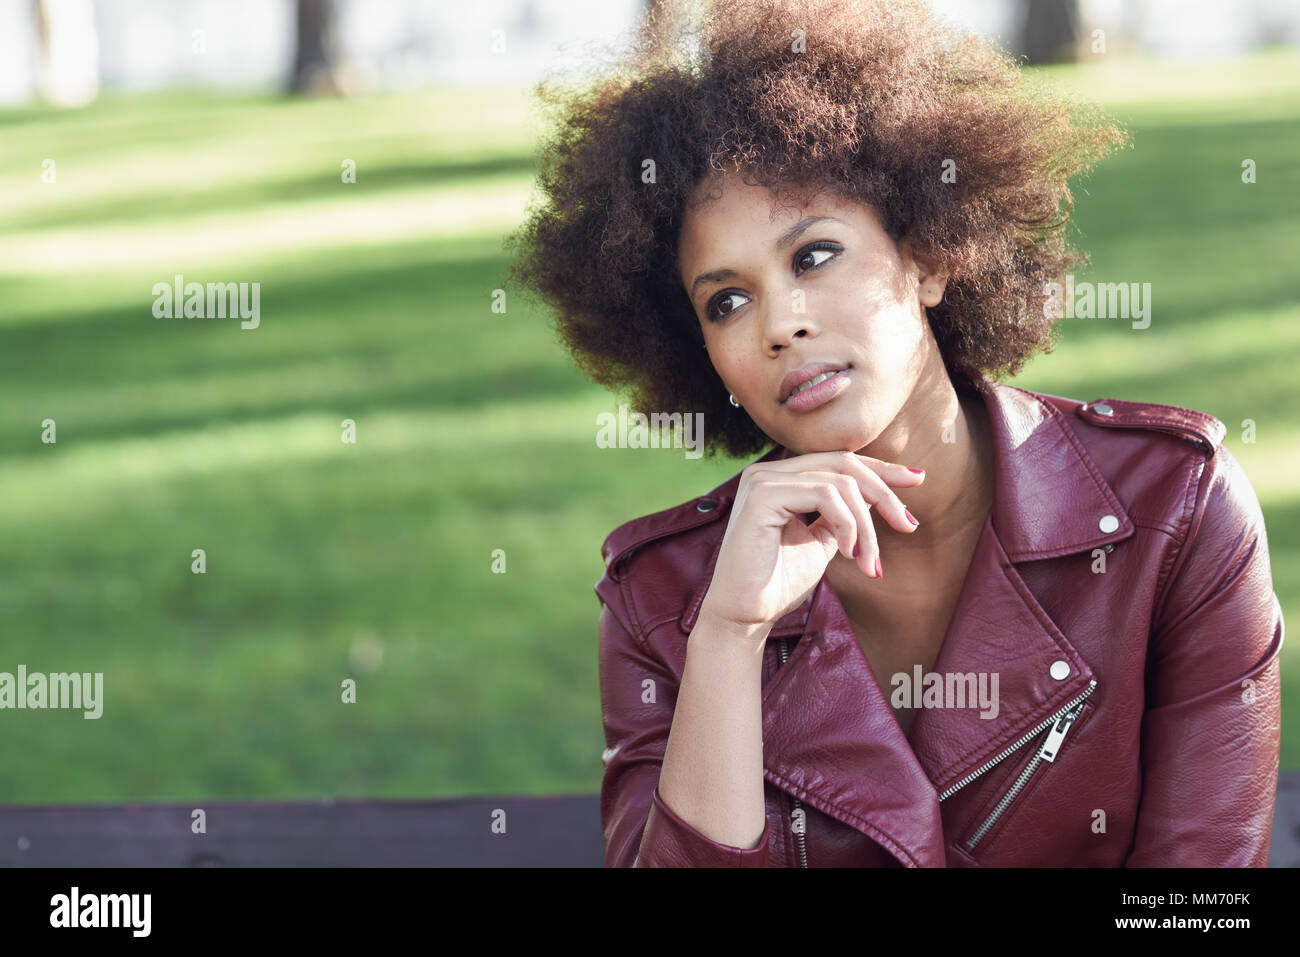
column 371, row 179
column 322, row 322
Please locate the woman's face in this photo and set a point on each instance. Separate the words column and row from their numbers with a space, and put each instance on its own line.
column 824, row 284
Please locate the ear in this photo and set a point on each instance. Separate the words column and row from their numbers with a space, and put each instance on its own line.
column 928, row 274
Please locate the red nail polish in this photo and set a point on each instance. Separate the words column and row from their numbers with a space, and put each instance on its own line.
column 910, row 517
column 917, row 471
column 880, row 572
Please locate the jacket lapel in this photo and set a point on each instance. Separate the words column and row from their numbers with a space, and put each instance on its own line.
column 998, row 628
column 1050, row 500
column 829, row 733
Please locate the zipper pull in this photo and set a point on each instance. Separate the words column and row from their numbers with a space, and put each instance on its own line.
column 1052, row 745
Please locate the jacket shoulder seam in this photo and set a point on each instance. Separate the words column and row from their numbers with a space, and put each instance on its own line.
column 634, row 618
column 660, row 622
column 633, row 624
column 1164, row 528
column 1188, row 470
column 1196, row 479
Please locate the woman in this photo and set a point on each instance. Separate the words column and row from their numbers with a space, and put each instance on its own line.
column 845, row 219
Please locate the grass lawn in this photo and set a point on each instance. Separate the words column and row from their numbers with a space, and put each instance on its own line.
column 372, row 560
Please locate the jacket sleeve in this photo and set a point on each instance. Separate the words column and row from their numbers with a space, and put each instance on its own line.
column 1211, row 728
column 638, row 693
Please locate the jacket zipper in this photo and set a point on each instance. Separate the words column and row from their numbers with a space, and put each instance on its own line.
column 1060, row 724
column 800, row 837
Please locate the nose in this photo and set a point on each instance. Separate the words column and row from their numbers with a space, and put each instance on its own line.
column 783, row 326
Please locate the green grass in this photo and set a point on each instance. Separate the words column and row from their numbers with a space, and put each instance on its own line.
column 373, row 561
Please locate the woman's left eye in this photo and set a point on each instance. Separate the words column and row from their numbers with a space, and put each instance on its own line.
column 807, row 253
column 804, row 257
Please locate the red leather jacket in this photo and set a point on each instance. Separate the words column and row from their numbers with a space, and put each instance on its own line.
column 1121, row 589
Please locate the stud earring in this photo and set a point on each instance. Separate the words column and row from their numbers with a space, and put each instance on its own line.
column 733, row 400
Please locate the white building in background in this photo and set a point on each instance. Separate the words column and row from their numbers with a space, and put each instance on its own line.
column 394, row 44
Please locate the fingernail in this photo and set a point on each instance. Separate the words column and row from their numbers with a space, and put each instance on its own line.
column 880, row 572
column 910, row 517
column 917, row 471
column 856, row 551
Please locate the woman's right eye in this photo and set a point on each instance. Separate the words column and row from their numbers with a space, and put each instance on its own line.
column 712, row 311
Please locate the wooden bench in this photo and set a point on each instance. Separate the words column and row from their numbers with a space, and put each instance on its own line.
column 559, row 831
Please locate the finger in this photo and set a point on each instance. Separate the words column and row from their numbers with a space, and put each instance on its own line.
column 868, row 555
column 794, row 496
column 867, row 549
column 873, row 487
column 838, row 513
column 878, row 493
column 891, row 473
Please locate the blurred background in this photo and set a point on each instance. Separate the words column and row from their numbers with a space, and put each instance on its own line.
column 362, row 162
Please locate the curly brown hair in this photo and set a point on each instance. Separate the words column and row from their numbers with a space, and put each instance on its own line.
column 872, row 100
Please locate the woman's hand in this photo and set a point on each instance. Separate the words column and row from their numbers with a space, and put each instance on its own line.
column 770, row 559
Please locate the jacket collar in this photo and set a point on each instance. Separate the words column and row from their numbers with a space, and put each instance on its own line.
column 1049, row 499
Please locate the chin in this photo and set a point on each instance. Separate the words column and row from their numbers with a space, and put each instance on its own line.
column 830, row 439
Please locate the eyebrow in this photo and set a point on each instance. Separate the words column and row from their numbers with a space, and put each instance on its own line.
column 783, row 241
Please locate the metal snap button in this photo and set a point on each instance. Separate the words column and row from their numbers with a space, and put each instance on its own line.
column 1060, row 670
column 706, row 505
column 1108, row 523
column 1101, row 408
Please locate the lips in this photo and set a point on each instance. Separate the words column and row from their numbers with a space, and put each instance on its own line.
column 804, row 374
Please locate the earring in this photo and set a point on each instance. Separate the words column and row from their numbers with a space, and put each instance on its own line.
column 733, row 400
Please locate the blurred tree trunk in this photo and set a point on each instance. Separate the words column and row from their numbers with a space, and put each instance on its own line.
column 313, row 60
column 661, row 20
column 1050, row 31
column 67, row 65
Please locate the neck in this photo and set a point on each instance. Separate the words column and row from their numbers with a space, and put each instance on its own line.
column 949, row 436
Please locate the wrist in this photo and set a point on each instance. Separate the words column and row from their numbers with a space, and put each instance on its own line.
column 715, row 629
